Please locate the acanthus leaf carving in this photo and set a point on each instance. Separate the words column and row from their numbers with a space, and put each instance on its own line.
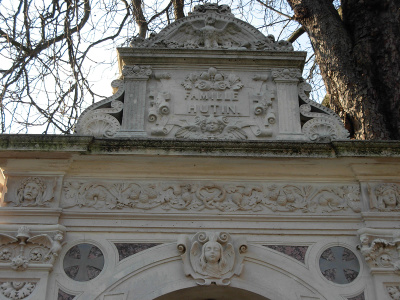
column 286, row 74
column 380, row 249
column 137, row 72
column 224, row 197
column 212, row 257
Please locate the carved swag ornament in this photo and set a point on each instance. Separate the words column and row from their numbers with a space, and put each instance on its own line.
column 212, row 257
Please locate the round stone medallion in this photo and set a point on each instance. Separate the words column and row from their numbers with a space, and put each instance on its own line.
column 339, row 265
column 83, row 262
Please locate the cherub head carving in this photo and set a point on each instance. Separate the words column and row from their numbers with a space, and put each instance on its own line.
column 213, row 125
column 30, row 191
column 212, row 256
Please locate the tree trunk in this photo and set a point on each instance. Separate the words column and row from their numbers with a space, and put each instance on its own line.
column 359, row 60
column 139, row 17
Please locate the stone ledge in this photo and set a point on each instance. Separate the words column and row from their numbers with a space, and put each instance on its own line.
column 17, row 143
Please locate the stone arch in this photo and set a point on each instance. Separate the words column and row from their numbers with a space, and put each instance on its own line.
column 157, row 274
column 213, row 292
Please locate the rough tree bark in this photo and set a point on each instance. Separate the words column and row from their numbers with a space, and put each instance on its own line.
column 359, row 58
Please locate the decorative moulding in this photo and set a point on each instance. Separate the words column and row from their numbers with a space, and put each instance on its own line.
column 212, row 257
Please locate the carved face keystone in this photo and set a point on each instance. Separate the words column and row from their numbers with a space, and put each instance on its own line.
column 31, row 191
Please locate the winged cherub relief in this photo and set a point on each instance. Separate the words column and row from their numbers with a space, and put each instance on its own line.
column 211, row 127
column 212, row 257
column 210, row 35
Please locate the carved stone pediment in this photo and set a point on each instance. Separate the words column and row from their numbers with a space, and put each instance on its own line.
column 212, row 26
column 212, row 257
column 30, row 247
column 210, row 76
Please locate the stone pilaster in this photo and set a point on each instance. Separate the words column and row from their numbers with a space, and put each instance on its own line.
column 288, row 103
column 133, row 119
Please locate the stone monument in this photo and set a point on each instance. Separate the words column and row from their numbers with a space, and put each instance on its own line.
column 211, row 76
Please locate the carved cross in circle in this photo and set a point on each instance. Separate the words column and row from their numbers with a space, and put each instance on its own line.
column 83, row 263
column 337, row 262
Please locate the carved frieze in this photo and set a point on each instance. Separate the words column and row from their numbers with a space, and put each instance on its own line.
column 380, row 249
column 212, row 257
column 30, row 191
column 384, row 196
column 26, row 248
column 17, row 289
column 218, row 196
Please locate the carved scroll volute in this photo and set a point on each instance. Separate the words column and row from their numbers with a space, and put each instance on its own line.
column 212, row 257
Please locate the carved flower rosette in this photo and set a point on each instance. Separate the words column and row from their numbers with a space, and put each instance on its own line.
column 212, row 257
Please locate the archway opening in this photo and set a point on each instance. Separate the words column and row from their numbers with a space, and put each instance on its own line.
column 211, row 292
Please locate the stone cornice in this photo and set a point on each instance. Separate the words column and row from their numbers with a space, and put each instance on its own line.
column 15, row 145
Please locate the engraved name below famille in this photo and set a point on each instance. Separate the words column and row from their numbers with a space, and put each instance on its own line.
column 221, row 103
